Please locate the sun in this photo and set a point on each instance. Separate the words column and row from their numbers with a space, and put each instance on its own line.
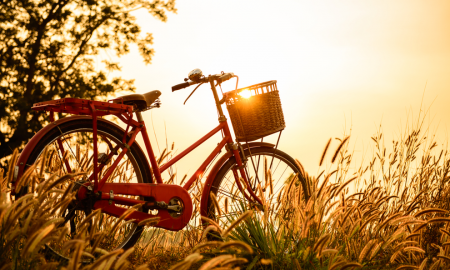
column 245, row 93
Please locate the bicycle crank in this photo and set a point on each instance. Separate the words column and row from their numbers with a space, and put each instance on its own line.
column 175, row 206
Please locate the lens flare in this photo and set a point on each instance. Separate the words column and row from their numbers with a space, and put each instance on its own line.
column 245, row 93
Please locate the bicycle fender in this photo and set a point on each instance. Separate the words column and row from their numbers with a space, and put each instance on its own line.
column 21, row 165
column 216, row 168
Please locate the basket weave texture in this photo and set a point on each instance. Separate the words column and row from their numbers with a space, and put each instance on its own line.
column 258, row 116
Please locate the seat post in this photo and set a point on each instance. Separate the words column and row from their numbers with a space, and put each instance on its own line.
column 139, row 116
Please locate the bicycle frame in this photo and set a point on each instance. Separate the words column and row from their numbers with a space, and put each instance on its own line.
column 108, row 192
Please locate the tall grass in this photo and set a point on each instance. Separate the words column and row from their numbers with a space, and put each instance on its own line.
column 391, row 212
column 28, row 225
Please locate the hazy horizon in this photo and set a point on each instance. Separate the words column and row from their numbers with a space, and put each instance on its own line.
column 341, row 67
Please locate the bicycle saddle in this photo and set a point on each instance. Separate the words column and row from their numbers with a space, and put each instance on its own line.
column 139, row 101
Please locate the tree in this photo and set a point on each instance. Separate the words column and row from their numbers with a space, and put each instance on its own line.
column 47, row 50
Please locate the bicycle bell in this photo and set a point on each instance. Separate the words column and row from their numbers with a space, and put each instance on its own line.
column 195, row 75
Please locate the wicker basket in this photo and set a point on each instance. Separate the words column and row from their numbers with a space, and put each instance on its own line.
column 256, row 116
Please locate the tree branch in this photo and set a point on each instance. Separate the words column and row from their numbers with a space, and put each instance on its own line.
column 80, row 51
column 36, row 47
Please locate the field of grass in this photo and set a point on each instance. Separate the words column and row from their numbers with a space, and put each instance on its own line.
column 390, row 213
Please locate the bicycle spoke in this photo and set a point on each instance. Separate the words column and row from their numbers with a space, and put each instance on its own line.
column 229, row 195
column 72, row 151
column 73, row 154
column 282, row 169
column 58, row 153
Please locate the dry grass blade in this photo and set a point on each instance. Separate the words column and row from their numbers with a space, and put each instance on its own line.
column 23, row 181
column 423, row 264
column 344, row 185
column 215, row 261
column 84, row 253
column 288, row 190
column 366, row 250
column 238, row 244
column 324, row 152
column 44, row 157
column 11, row 220
column 182, row 180
column 183, row 265
column 351, row 265
column 235, row 223
column 76, row 255
column 445, row 258
column 106, row 257
column 90, row 217
column 266, row 261
column 336, row 265
column 3, row 181
column 321, row 241
column 207, row 244
column 36, row 238
column 325, row 182
column 297, row 264
column 430, row 210
column 216, row 203
column 226, row 205
column 122, row 260
column 339, row 149
column 71, row 244
column 124, row 216
column 233, row 261
column 149, row 221
column 194, row 257
column 12, row 163
column 416, row 249
column 208, row 229
column 406, row 267
column 187, row 262
column 266, row 177
column 60, row 180
column 302, row 170
column 269, row 172
column 437, row 220
column 212, row 222
column 436, row 265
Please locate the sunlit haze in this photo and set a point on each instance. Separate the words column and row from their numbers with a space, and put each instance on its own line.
column 341, row 66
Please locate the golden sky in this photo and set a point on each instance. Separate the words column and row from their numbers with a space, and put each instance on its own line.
column 341, row 66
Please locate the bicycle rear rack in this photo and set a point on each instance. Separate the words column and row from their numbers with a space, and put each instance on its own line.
column 82, row 107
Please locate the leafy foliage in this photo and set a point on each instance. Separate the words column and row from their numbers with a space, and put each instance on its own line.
column 47, row 51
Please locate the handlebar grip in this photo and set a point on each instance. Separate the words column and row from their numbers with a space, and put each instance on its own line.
column 180, row 86
column 225, row 77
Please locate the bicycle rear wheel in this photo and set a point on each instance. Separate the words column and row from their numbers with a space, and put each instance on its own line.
column 284, row 181
column 75, row 139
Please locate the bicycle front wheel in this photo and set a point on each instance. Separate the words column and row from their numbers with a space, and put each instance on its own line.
column 69, row 149
column 273, row 175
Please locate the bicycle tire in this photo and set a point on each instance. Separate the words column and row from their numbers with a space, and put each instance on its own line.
column 219, row 190
column 114, row 133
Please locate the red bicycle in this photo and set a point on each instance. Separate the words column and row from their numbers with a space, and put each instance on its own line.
column 120, row 176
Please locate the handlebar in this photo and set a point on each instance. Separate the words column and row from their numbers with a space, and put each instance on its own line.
column 225, row 77
column 220, row 78
column 180, row 86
